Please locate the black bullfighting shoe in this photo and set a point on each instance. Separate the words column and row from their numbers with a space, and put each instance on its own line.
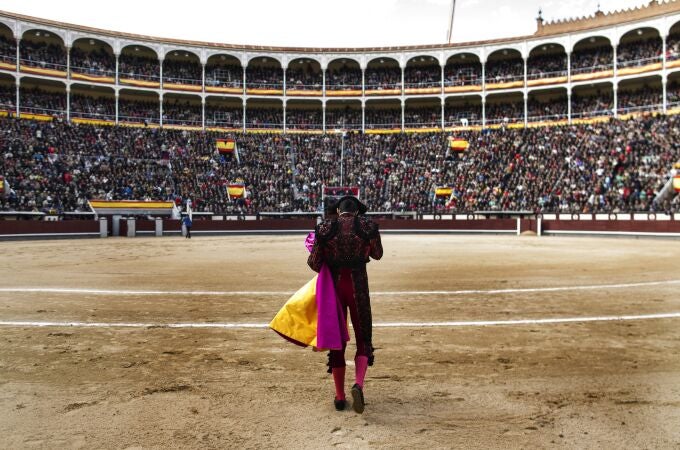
column 340, row 405
column 358, row 397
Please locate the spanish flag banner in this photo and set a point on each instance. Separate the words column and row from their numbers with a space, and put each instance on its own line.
column 236, row 191
column 458, row 145
column 225, row 145
column 676, row 183
column 443, row 192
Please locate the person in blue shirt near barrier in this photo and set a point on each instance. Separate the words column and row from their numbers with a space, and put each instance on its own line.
column 187, row 225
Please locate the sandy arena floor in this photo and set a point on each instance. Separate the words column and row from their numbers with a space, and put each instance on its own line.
column 581, row 384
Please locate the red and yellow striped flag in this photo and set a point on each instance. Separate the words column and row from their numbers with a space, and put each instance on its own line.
column 676, row 183
column 236, row 190
column 225, row 145
column 443, row 192
column 458, row 145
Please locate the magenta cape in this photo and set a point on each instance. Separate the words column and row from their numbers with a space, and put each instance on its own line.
column 313, row 315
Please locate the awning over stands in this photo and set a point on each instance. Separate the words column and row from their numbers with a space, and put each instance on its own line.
column 134, row 208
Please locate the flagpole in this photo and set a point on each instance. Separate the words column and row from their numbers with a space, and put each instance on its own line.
column 450, row 31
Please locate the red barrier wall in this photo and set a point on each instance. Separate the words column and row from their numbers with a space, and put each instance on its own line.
column 10, row 227
column 626, row 226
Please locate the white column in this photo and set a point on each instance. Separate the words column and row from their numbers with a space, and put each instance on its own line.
column 569, row 68
column 160, row 71
column 203, row 112
column 526, row 108
column 244, row 88
column 160, row 97
column 203, row 79
column 363, row 117
column 68, row 102
column 443, row 71
column 664, row 75
column 244, row 110
column 117, row 95
column 403, row 107
column 284, row 116
column 18, row 97
column 18, row 57
column 569, row 105
column 68, row 62
column 616, row 101
column 483, row 111
column 363, row 82
column 664, row 82
column 323, row 116
column 443, row 111
column 116, row 77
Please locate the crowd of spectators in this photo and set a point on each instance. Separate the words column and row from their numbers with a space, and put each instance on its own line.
column 423, row 117
column 304, row 78
column 138, row 67
column 673, row 47
column 224, row 75
column 597, row 104
column 96, row 62
column 102, row 108
column 382, row 78
column 504, row 112
column 304, row 119
column 594, row 59
column 547, row 66
column 264, row 78
column 38, row 101
column 343, row 78
column 264, row 118
column 642, row 99
column 463, row 74
column 422, row 76
column 504, row 70
column 8, row 50
column 383, row 118
column 43, row 55
column 639, row 53
column 8, row 96
column 182, row 112
column 345, row 118
column 182, row 72
column 147, row 111
column 616, row 166
column 547, row 109
column 460, row 115
column 223, row 116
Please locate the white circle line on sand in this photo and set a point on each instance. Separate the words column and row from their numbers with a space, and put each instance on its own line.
column 478, row 323
column 123, row 292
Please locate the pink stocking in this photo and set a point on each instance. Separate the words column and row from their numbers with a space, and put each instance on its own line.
column 362, row 365
column 339, row 380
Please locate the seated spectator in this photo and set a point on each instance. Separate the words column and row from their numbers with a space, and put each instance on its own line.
column 347, row 119
column 554, row 109
column 547, row 66
column 8, row 50
column 423, row 117
column 458, row 115
column 422, row 77
column 504, row 113
column 42, row 55
column 140, row 111
column 138, row 67
column 218, row 116
column 102, row 108
column 178, row 112
column 304, row 119
column 224, row 75
column 383, row 118
column 343, row 78
column 182, row 72
column 8, row 96
column 463, row 74
column 504, row 71
column 378, row 79
column 600, row 104
column 643, row 99
column 639, row 53
column 97, row 62
column 38, row 101
column 264, row 118
column 264, row 78
column 595, row 59
column 305, row 79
